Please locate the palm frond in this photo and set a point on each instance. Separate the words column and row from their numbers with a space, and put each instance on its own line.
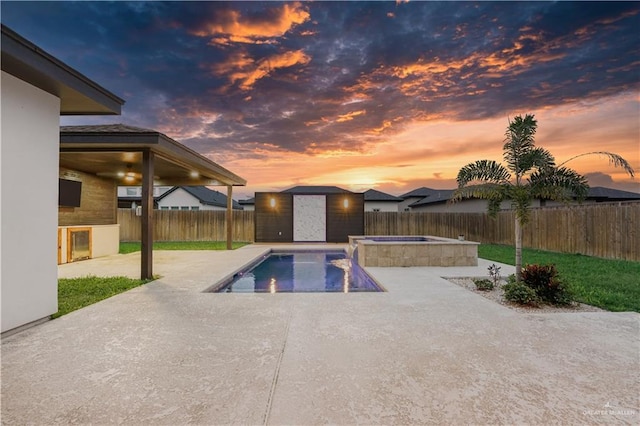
column 519, row 140
column 494, row 193
column 614, row 159
column 538, row 158
column 559, row 184
column 485, row 191
column 484, row 171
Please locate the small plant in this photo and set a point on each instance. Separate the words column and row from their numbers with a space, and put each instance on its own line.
column 544, row 280
column 521, row 294
column 483, row 284
column 494, row 274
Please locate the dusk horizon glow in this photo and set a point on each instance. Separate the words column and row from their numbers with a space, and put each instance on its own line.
column 390, row 96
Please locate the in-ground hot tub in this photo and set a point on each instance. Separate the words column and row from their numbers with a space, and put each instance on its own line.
column 392, row 250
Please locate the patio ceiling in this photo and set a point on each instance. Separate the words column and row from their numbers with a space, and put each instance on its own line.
column 115, row 151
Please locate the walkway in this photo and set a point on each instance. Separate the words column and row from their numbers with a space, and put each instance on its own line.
column 425, row 352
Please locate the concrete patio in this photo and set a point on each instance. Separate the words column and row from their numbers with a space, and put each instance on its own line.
column 425, row 352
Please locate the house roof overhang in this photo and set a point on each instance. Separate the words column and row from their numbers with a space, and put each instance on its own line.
column 78, row 94
column 114, row 151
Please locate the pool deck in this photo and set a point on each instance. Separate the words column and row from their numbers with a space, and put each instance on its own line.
column 425, row 352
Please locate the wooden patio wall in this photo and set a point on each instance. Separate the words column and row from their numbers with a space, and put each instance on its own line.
column 609, row 230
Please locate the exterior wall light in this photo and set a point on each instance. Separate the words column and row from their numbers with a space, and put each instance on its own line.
column 272, row 203
column 345, row 203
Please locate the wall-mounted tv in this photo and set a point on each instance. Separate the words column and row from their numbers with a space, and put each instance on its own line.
column 69, row 193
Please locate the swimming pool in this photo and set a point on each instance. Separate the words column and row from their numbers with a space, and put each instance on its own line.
column 302, row 272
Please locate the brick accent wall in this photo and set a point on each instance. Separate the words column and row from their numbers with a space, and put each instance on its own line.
column 98, row 202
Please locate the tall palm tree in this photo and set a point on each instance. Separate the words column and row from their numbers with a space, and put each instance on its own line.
column 528, row 173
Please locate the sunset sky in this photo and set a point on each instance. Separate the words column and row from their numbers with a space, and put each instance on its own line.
column 384, row 95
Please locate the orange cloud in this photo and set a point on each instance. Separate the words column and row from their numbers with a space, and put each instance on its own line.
column 246, row 71
column 232, row 27
column 349, row 116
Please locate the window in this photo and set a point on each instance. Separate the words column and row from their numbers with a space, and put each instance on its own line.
column 164, row 208
column 195, row 208
column 407, row 209
column 184, row 208
column 175, row 208
column 376, row 210
column 132, row 192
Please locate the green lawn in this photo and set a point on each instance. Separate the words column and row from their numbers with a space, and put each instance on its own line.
column 180, row 245
column 76, row 293
column 613, row 285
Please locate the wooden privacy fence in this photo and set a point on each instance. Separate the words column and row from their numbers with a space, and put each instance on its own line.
column 188, row 225
column 610, row 230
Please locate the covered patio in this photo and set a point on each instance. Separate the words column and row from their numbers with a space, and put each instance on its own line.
column 133, row 156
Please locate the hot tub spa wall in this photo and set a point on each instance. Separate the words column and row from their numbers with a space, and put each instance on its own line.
column 403, row 254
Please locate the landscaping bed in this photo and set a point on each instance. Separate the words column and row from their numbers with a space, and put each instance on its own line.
column 497, row 295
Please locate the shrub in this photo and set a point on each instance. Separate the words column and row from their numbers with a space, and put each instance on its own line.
column 521, row 294
column 544, row 280
column 483, row 284
column 494, row 274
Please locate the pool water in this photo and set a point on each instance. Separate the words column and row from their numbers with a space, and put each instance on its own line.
column 302, row 272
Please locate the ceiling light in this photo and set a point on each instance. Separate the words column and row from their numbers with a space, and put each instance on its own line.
column 194, row 174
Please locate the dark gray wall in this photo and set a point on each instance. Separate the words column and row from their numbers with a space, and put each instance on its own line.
column 344, row 221
column 274, row 224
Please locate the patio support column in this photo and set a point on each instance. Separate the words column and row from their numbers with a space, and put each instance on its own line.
column 147, row 215
column 229, row 217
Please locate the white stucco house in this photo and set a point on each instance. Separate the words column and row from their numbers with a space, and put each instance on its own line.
column 131, row 196
column 194, row 198
column 36, row 89
column 248, row 204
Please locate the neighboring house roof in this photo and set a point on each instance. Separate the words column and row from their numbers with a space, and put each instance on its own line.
column 315, row 190
column 435, row 196
column 598, row 193
column 204, row 195
column 78, row 94
column 373, row 195
column 419, row 193
column 248, row 202
column 610, row 194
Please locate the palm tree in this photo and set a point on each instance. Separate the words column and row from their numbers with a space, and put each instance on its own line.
column 529, row 173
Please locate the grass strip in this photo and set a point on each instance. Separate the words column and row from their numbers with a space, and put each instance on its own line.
column 76, row 293
column 131, row 247
column 609, row 284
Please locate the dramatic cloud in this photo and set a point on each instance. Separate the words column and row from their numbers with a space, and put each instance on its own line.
column 355, row 90
column 265, row 26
